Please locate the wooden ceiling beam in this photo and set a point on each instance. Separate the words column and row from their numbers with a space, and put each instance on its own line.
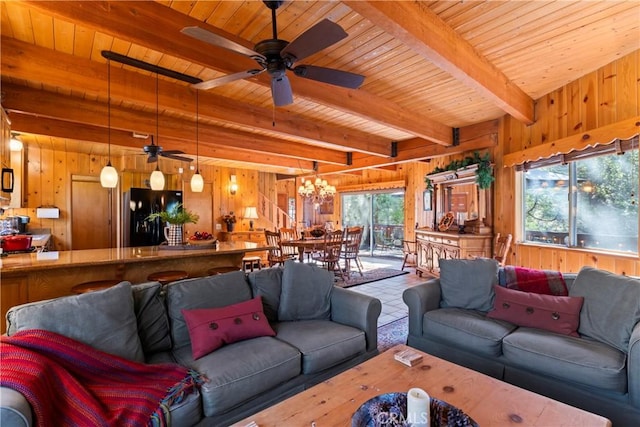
column 62, row 107
column 37, row 64
column 94, row 134
column 412, row 152
column 157, row 27
column 424, row 32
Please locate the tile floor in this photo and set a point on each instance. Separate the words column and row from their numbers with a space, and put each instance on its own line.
column 389, row 291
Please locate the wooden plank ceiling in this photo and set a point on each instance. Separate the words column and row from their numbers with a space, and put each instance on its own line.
column 430, row 67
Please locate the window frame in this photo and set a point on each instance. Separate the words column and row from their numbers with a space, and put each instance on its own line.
column 570, row 159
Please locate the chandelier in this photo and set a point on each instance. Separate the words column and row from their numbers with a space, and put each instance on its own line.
column 318, row 191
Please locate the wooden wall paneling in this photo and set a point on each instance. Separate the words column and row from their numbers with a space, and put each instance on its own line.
column 607, row 78
column 626, row 266
column 574, row 112
column 627, row 86
column 201, row 204
column 588, row 87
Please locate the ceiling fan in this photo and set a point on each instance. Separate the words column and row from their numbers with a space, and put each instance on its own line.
column 275, row 56
column 153, row 151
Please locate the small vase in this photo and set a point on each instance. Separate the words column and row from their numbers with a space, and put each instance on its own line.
column 230, row 227
column 173, row 234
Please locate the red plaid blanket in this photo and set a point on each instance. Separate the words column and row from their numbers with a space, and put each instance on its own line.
column 538, row 281
column 70, row 383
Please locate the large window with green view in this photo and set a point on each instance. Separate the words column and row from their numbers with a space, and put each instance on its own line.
column 591, row 201
column 382, row 214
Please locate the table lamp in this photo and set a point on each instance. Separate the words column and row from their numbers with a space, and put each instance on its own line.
column 250, row 213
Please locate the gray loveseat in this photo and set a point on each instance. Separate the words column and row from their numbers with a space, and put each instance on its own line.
column 597, row 370
column 321, row 330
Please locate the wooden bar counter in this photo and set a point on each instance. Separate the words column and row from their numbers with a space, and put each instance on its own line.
column 38, row 276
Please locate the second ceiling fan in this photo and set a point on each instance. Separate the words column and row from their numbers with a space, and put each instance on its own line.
column 276, row 56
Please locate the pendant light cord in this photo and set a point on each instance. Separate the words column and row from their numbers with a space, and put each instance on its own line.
column 109, row 110
column 197, row 139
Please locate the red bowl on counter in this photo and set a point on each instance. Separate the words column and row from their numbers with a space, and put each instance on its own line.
column 16, row 243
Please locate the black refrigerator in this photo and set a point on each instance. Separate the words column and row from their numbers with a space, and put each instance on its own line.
column 138, row 204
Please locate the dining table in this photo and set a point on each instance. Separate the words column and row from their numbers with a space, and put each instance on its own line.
column 304, row 245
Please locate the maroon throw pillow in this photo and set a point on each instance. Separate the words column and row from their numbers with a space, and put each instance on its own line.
column 549, row 312
column 211, row 328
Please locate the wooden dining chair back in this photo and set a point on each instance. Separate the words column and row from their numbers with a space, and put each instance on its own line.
column 351, row 249
column 410, row 254
column 329, row 255
column 289, row 234
column 501, row 247
column 275, row 255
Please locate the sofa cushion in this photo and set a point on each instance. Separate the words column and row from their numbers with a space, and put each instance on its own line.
column 552, row 313
column 611, row 306
column 202, row 292
column 467, row 329
column 267, row 283
column 306, row 292
column 238, row 372
column 577, row 360
column 102, row 319
column 323, row 343
column 468, row 283
column 547, row 282
column 211, row 328
column 151, row 315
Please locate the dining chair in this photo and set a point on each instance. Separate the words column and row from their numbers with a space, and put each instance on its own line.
column 410, row 254
column 289, row 234
column 501, row 247
column 351, row 249
column 275, row 255
column 329, row 255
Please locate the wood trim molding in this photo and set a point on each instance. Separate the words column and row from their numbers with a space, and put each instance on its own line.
column 603, row 135
column 372, row 187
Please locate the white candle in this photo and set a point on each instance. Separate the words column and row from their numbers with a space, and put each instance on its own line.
column 418, row 413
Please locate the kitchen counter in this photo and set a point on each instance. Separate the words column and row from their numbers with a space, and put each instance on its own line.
column 43, row 275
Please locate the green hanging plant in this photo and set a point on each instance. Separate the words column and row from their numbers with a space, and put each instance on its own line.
column 484, row 173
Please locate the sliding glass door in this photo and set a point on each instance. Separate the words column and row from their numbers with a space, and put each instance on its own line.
column 382, row 214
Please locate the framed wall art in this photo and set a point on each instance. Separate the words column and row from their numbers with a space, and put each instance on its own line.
column 426, row 200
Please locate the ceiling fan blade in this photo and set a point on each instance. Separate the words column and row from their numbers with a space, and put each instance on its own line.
column 281, row 91
column 175, row 157
column 165, row 152
column 320, row 36
column 226, row 79
column 216, row 40
column 329, row 75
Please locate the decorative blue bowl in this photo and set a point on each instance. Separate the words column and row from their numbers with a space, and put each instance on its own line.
column 390, row 409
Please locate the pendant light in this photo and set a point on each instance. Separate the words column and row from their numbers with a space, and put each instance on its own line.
column 109, row 175
column 157, row 178
column 197, row 183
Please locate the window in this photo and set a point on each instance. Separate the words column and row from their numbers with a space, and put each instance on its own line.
column 591, row 201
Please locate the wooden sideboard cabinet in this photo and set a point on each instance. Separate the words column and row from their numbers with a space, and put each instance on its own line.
column 433, row 246
column 247, row 236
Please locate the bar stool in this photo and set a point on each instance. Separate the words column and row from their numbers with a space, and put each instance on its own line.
column 94, row 285
column 221, row 270
column 250, row 262
column 165, row 277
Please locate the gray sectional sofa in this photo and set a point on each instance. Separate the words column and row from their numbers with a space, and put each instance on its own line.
column 598, row 369
column 320, row 329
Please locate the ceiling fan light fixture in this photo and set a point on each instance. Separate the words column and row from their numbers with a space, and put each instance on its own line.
column 109, row 174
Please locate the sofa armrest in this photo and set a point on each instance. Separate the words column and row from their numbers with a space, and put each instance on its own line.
column 15, row 411
column 633, row 367
column 420, row 299
column 357, row 310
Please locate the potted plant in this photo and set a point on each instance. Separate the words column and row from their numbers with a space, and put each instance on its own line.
column 175, row 218
column 230, row 220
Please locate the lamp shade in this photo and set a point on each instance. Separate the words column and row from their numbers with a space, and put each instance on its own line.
column 109, row 176
column 15, row 144
column 197, row 183
column 157, row 180
column 250, row 212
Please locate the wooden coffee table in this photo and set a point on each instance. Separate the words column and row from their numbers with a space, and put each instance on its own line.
column 490, row 402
